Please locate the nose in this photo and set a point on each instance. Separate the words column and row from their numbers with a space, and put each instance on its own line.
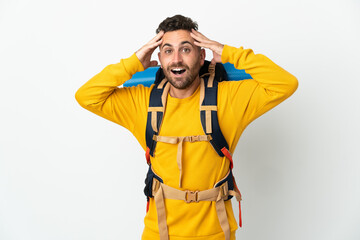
column 177, row 58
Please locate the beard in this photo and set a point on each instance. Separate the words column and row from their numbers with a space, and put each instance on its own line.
column 183, row 82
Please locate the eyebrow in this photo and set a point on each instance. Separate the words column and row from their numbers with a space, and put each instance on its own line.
column 182, row 43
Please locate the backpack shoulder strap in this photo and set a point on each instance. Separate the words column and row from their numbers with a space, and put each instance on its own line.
column 156, row 110
column 209, row 117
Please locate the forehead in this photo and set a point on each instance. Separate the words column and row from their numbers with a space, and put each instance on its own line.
column 175, row 38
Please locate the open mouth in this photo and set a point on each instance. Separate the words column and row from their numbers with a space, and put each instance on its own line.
column 178, row 71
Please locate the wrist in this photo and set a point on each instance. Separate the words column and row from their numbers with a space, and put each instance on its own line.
column 220, row 49
column 133, row 64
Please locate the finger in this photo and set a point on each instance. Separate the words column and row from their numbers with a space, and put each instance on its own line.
column 157, row 40
column 201, row 40
column 156, row 44
column 153, row 63
column 198, row 35
column 196, row 38
column 203, row 44
column 147, row 50
column 150, row 47
column 157, row 37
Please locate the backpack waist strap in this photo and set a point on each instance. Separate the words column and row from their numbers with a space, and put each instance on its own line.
column 218, row 194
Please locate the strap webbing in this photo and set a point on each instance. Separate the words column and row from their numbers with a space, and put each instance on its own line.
column 208, row 113
column 156, row 110
column 179, row 141
column 161, row 213
column 218, row 194
column 222, row 216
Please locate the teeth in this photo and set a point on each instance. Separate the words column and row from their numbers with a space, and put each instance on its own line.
column 178, row 70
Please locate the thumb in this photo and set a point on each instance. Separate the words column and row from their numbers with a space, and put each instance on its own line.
column 153, row 63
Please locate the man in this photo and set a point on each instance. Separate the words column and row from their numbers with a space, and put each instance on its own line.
column 187, row 165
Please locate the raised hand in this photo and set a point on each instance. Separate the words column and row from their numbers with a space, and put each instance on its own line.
column 202, row 41
column 144, row 53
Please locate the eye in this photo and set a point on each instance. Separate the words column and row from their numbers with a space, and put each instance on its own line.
column 167, row 51
column 186, row 50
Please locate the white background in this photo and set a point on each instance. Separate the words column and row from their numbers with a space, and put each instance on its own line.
column 66, row 173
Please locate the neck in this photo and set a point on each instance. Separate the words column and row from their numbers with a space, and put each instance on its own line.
column 184, row 93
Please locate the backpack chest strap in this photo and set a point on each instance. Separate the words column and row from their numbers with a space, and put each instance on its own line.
column 179, row 141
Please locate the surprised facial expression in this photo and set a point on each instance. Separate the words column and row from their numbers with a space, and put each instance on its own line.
column 180, row 58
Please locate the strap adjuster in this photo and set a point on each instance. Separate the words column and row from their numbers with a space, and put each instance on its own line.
column 224, row 190
column 191, row 196
column 194, row 138
column 155, row 186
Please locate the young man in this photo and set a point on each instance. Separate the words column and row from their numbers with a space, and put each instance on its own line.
column 184, row 159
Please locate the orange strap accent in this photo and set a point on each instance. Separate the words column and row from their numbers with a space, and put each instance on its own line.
column 147, row 155
column 147, row 205
column 239, row 200
column 228, row 155
column 240, row 219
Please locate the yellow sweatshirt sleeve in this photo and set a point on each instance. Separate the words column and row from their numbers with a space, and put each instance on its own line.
column 102, row 96
column 269, row 86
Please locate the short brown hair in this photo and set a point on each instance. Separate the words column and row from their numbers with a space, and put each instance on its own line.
column 177, row 22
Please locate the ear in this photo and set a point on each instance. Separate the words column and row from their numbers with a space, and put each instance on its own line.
column 202, row 56
column 159, row 56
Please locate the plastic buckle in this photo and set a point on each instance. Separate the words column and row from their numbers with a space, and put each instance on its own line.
column 191, row 196
column 155, row 186
column 211, row 68
column 194, row 139
column 224, row 190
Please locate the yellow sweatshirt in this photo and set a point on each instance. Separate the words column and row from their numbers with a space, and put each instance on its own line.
column 239, row 103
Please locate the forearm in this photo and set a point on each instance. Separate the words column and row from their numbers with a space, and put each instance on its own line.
column 94, row 93
column 269, row 86
column 269, row 76
column 102, row 96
